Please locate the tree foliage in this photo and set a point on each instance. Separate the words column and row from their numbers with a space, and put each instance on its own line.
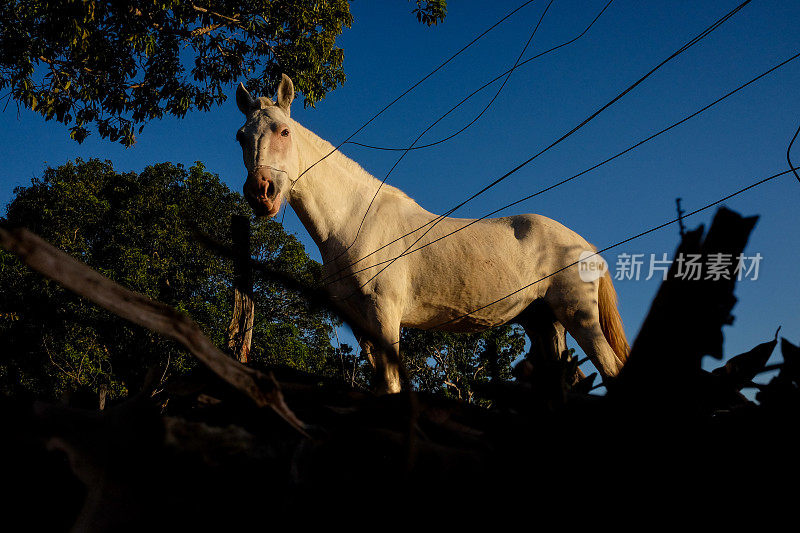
column 116, row 65
column 138, row 230
column 451, row 363
column 430, row 12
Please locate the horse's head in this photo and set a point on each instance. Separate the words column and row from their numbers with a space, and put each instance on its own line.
column 269, row 151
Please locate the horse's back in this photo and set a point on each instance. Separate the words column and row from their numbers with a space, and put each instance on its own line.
column 518, row 240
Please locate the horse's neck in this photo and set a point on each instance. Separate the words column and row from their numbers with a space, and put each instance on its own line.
column 334, row 193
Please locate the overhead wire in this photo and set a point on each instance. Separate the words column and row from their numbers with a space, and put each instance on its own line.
column 682, row 49
column 398, row 98
column 620, row 243
column 415, row 85
column 405, row 152
column 479, row 89
column 594, row 167
column 789, row 151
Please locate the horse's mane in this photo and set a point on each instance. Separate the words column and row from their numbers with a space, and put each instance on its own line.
column 338, row 158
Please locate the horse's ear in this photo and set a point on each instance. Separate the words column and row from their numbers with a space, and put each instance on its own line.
column 285, row 93
column 244, row 100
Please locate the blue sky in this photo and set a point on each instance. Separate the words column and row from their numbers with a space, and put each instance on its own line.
column 728, row 147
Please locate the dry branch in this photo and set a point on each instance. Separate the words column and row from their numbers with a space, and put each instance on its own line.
column 139, row 309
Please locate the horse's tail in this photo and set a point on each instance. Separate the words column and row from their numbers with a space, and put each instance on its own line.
column 610, row 321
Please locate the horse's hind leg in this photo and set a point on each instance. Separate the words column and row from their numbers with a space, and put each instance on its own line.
column 547, row 335
column 590, row 338
column 576, row 308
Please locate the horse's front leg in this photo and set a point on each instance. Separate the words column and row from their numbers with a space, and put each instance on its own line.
column 386, row 367
column 381, row 345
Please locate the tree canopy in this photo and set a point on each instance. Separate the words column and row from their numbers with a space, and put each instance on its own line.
column 138, row 230
column 116, row 65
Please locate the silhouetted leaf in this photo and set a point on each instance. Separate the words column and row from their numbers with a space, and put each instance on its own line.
column 740, row 370
column 585, row 385
column 791, row 361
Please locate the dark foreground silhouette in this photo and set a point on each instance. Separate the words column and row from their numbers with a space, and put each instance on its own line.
column 202, row 453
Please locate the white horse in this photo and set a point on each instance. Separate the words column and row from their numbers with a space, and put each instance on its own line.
column 440, row 286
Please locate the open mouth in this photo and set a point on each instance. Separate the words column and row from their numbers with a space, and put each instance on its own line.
column 271, row 206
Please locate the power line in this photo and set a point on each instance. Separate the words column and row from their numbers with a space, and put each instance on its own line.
column 573, row 130
column 433, row 223
column 476, row 91
column 586, row 171
column 434, row 71
column 624, row 241
column 405, row 152
column 788, row 153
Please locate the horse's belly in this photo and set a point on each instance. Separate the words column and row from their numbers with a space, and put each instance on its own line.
column 466, row 309
column 457, row 323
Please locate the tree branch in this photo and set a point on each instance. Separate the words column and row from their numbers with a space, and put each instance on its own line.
column 235, row 19
column 198, row 32
column 139, row 309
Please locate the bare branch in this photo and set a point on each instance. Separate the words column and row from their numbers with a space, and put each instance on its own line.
column 198, row 32
column 234, row 19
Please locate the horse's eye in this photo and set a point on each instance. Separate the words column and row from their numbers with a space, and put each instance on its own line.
column 285, row 133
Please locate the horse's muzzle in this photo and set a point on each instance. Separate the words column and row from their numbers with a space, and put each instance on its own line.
column 263, row 192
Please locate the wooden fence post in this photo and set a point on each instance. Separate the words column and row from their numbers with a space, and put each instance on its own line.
column 240, row 330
